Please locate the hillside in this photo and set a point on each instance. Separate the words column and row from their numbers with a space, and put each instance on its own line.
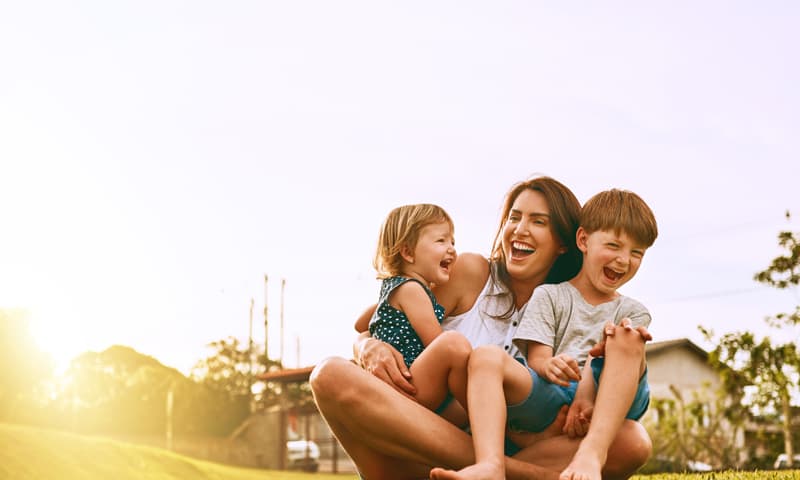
column 28, row 453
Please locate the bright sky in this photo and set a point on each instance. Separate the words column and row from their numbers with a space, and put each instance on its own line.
column 158, row 158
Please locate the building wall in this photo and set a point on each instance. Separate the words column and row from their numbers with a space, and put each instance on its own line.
column 681, row 367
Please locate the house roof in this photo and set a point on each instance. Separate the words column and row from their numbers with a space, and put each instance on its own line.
column 287, row 375
column 660, row 347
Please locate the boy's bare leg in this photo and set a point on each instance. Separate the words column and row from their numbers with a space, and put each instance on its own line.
column 624, row 365
column 494, row 379
column 389, row 436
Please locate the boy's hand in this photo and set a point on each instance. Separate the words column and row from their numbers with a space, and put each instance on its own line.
column 578, row 418
column 599, row 349
column 561, row 369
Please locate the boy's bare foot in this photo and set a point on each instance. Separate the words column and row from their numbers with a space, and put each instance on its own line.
column 479, row 471
column 584, row 466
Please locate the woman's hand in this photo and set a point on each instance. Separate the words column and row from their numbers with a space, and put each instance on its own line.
column 386, row 363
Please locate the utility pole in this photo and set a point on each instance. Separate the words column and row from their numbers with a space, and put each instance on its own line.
column 250, row 345
column 283, row 287
column 266, row 319
column 297, row 345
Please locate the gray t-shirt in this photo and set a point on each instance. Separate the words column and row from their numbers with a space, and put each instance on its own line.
column 558, row 316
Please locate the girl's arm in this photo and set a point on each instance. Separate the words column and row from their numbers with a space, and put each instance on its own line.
column 412, row 299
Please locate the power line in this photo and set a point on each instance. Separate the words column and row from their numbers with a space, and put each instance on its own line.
column 705, row 296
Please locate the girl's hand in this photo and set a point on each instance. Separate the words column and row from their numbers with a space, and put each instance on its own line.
column 386, row 363
column 561, row 369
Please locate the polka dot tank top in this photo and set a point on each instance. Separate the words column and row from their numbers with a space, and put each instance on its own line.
column 390, row 325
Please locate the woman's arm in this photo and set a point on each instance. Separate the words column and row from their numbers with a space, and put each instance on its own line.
column 383, row 361
column 468, row 276
column 362, row 323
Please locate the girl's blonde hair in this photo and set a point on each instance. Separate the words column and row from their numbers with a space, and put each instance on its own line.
column 401, row 229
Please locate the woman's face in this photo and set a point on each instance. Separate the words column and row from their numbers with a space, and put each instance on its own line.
column 529, row 244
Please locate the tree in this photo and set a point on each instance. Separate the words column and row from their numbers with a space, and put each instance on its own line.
column 770, row 370
column 233, row 369
column 703, row 427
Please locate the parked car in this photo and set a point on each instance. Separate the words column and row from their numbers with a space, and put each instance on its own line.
column 302, row 455
column 783, row 460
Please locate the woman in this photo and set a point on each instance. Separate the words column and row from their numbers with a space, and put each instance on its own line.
column 390, row 436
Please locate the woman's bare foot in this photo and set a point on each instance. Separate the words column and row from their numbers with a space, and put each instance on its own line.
column 479, row 471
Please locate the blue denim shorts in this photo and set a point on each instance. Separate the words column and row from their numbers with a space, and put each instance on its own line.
column 545, row 399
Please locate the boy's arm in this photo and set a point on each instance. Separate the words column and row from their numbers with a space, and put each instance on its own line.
column 580, row 412
column 560, row 369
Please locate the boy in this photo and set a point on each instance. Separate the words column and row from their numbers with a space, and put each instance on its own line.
column 560, row 326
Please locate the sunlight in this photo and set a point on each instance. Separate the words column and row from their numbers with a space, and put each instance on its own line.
column 58, row 334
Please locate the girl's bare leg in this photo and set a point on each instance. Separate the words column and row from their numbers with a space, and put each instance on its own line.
column 389, row 436
column 442, row 368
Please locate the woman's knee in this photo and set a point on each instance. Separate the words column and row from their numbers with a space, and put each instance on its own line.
column 631, row 450
column 328, row 376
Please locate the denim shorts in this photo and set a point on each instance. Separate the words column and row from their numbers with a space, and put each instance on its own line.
column 545, row 399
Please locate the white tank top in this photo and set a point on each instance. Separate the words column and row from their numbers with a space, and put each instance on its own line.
column 480, row 327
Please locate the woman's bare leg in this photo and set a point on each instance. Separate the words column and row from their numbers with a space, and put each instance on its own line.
column 389, row 436
column 630, row 450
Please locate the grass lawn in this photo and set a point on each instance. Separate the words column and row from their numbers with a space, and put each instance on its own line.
column 28, row 453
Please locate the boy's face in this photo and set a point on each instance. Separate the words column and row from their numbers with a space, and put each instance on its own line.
column 609, row 259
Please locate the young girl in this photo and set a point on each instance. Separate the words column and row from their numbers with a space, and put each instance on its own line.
column 416, row 250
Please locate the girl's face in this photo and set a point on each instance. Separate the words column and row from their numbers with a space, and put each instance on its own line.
column 432, row 257
column 529, row 245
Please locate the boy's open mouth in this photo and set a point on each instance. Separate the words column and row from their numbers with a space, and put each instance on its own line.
column 611, row 274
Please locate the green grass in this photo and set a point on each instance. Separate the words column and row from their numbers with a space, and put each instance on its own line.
column 28, row 453
column 729, row 475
